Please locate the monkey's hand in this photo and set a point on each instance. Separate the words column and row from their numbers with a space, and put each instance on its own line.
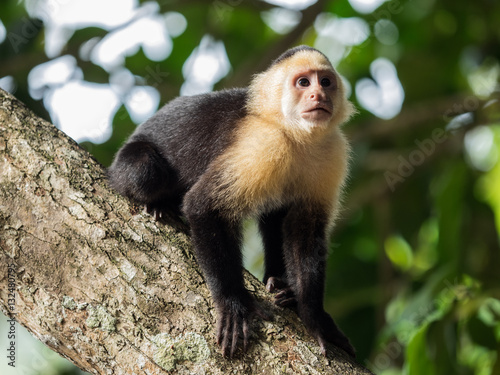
column 285, row 297
column 167, row 215
column 320, row 325
column 324, row 329
column 161, row 212
column 233, row 317
column 153, row 211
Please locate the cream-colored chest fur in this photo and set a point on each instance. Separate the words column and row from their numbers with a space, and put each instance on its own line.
column 266, row 168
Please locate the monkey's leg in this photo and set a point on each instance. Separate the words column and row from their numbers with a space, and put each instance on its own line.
column 142, row 174
column 305, row 247
column 271, row 228
column 217, row 244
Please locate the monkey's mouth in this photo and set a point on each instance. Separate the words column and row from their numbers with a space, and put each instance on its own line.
column 318, row 109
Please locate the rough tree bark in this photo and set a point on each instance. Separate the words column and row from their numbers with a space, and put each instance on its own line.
column 106, row 286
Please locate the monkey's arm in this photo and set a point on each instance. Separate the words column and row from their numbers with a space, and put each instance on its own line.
column 271, row 228
column 305, row 250
column 216, row 240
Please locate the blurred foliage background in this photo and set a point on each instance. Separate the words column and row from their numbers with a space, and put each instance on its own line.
column 414, row 268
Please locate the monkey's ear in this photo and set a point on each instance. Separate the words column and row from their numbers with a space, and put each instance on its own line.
column 265, row 94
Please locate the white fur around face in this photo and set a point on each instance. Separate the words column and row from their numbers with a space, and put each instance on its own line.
column 290, row 108
column 290, row 113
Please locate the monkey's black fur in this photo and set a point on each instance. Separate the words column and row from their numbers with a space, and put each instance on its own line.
column 292, row 51
column 166, row 165
column 167, row 154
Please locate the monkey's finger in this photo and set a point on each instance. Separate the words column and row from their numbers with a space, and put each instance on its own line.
column 222, row 329
column 158, row 215
column 270, row 287
column 285, row 292
column 225, row 343
column 285, row 298
column 245, row 335
column 236, row 333
column 152, row 211
column 322, row 344
column 275, row 284
column 285, row 302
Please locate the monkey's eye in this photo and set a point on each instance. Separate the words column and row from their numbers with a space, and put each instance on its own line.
column 325, row 82
column 304, row 82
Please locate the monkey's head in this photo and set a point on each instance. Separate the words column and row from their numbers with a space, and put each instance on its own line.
column 302, row 90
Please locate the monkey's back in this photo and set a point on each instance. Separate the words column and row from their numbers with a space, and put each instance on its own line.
column 191, row 131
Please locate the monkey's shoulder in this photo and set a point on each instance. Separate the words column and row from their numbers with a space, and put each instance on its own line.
column 199, row 116
column 218, row 104
column 191, row 131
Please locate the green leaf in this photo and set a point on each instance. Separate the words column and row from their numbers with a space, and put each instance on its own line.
column 487, row 187
column 399, row 252
column 417, row 357
column 442, row 344
column 489, row 312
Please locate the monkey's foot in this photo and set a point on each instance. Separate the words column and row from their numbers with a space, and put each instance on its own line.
column 167, row 215
column 156, row 211
column 285, row 297
column 232, row 323
column 324, row 329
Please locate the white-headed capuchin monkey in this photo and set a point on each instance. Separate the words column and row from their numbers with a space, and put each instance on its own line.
column 273, row 151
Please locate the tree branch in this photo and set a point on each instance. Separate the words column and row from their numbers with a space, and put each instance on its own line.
column 109, row 288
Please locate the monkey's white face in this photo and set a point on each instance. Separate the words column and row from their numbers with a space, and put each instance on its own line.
column 308, row 98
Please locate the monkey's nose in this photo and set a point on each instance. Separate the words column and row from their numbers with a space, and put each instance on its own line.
column 317, row 94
